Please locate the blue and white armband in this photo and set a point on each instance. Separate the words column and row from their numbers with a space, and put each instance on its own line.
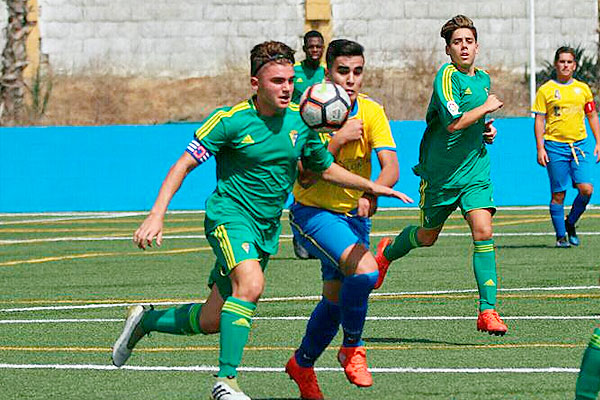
column 198, row 151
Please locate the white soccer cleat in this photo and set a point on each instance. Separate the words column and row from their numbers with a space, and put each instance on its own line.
column 132, row 333
column 227, row 389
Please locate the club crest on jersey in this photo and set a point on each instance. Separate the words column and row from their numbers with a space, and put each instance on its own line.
column 246, row 247
column 557, row 94
column 293, row 136
column 452, row 107
column 577, row 90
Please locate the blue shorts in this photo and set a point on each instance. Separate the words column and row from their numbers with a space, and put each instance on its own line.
column 326, row 234
column 569, row 164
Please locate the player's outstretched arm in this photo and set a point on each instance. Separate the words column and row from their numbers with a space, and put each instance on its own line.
column 341, row 177
column 152, row 226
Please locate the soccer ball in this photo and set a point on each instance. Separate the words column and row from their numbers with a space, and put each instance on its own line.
column 325, row 106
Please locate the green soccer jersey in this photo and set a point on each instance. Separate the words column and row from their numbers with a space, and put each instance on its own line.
column 453, row 160
column 257, row 160
column 304, row 77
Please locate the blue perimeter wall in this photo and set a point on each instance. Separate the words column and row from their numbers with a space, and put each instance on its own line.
column 120, row 168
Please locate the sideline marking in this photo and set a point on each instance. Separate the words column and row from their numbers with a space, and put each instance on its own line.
column 303, row 318
column 126, row 303
column 210, row 368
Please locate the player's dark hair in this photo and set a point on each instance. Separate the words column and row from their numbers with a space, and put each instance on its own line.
column 312, row 34
column 342, row 47
column 266, row 52
column 565, row 49
column 457, row 22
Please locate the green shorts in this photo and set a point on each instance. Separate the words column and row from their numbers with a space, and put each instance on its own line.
column 437, row 204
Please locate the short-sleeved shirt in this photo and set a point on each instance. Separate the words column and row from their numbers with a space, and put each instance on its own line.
column 355, row 156
column 256, row 160
column 563, row 105
column 450, row 160
column 304, row 76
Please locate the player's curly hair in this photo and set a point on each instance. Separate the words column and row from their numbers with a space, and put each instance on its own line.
column 457, row 22
column 266, row 52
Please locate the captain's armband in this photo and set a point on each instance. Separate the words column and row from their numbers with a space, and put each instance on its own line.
column 198, row 151
column 589, row 107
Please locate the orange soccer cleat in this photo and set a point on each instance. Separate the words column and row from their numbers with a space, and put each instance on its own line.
column 305, row 378
column 489, row 321
column 382, row 263
column 354, row 361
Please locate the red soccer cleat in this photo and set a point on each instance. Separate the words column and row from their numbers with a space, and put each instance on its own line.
column 354, row 361
column 489, row 321
column 305, row 378
column 382, row 263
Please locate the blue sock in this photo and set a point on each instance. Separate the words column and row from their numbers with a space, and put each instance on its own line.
column 557, row 212
column 579, row 205
column 322, row 327
column 354, row 299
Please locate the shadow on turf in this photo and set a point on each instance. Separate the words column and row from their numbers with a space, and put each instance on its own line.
column 422, row 341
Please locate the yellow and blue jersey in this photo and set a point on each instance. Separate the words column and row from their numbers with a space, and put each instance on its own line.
column 355, row 156
column 563, row 106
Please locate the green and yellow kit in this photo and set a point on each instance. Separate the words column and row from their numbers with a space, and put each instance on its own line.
column 304, row 76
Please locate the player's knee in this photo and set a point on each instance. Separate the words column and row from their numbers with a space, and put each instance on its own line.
column 558, row 198
column 483, row 233
column 249, row 291
column 586, row 190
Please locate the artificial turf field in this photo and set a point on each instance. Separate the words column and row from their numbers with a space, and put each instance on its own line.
column 65, row 281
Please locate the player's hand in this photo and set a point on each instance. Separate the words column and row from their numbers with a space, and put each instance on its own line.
column 380, row 190
column 149, row 230
column 352, row 130
column 542, row 157
column 367, row 205
column 597, row 152
column 493, row 103
column 490, row 132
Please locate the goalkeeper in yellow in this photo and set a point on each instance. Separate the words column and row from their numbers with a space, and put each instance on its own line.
column 454, row 166
column 333, row 225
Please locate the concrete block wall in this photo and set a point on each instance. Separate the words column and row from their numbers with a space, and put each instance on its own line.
column 201, row 37
column 395, row 33
column 162, row 37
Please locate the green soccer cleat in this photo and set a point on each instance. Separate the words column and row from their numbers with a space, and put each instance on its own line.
column 132, row 333
column 227, row 389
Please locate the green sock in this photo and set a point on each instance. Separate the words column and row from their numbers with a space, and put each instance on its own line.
column 182, row 320
column 484, row 266
column 236, row 320
column 403, row 243
column 588, row 381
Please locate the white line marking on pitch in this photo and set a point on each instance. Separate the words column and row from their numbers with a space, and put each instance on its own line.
column 172, row 237
column 301, row 318
column 208, row 368
column 305, row 298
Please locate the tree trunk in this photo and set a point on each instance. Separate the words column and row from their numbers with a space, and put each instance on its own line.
column 14, row 60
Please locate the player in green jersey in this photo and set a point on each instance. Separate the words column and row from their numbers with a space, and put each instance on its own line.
column 454, row 166
column 257, row 145
column 310, row 70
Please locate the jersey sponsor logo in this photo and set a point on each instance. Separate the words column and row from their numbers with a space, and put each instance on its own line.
column 468, row 91
column 246, row 247
column 490, row 283
column 452, row 107
column 247, row 140
column 557, row 94
column 293, row 136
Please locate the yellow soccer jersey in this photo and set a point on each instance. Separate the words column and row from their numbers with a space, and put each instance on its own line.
column 355, row 156
column 563, row 106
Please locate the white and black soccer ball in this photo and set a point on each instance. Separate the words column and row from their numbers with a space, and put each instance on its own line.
column 325, row 106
